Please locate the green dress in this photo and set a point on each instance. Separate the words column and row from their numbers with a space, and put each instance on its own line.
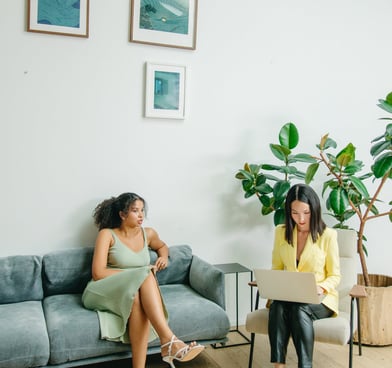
column 113, row 296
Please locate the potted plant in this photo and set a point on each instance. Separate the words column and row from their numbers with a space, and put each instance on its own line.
column 349, row 198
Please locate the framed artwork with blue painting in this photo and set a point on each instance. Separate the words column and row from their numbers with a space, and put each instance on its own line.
column 165, row 91
column 63, row 17
column 171, row 23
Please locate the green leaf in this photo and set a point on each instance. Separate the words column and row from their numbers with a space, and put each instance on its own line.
column 338, row 200
column 377, row 148
column 388, row 131
column 253, row 168
column 279, row 217
column 260, row 179
column 281, row 188
column 302, row 157
column 279, row 152
column 266, row 210
column 373, row 209
column 330, row 143
column 389, row 98
column 378, row 138
column 385, row 105
column 271, row 177
column 289, row 136
column 265, row 200
column 247, row 186
column 382, row 165
column 243, row 174
column 298, row 174
column 240, row 176
column 249, row 193
column 270, row 167
column 310, row 172
column 359, row 186
column 353, row 168
column 365, row 176
column 264, row 188
column 346, row 156
column 326, row 143
column 350, row 170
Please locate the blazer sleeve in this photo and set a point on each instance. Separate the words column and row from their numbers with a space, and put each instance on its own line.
column 277, row 262
column 332, row 264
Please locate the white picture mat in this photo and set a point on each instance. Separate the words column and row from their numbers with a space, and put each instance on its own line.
column 34, row 26
column 150, row 110
column 164, row 38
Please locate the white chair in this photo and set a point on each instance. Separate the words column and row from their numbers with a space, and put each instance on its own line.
column 335, row 330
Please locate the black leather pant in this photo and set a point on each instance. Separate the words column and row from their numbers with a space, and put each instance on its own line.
column 296, row 320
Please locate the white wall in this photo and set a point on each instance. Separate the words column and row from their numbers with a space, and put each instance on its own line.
column 73, row 132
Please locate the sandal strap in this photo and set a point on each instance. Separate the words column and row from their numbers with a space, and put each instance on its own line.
column 182, row 351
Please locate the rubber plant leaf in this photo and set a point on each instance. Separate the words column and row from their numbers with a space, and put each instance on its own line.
column 279, row 151
column 310, row 172
column 338, row 200
column 346, row 156
column 382, row 165
column 289, row 136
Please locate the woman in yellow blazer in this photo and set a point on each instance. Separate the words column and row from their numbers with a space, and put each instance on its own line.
column 303, row 244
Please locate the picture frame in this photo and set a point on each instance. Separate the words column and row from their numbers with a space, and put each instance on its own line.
column 67, row 18
column 170, row 23
column 165, row 91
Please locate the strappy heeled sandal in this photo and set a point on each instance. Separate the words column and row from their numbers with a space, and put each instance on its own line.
column 184, row 354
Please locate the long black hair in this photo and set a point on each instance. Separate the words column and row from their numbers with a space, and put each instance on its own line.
column 107, row 213
column 304, row 193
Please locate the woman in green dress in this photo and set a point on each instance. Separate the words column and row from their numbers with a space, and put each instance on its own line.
column 124, row 290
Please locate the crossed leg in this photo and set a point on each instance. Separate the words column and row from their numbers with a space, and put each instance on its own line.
column 147, row 307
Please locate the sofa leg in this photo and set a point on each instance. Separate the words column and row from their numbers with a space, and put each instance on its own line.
column 252, row 344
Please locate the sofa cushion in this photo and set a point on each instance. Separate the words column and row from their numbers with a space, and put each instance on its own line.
column 24, row 341
column 67, row 271
column 177, row 272
column 192, row 316
column 74, row 331
column 20, row 279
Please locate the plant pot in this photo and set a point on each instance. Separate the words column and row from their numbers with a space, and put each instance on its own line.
column 375, row 311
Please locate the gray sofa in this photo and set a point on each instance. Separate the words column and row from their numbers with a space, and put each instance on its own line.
column 43, row 321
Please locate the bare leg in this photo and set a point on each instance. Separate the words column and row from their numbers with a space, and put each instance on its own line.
column 151, row 302
column 138, row 333
column 152, row 306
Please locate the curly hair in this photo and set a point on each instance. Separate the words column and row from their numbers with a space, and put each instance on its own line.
column 107, row 213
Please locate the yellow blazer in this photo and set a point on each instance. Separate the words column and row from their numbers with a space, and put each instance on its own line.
column 321, row 258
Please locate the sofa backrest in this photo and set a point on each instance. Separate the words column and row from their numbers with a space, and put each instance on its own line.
column 20, row 279
column 177, row 272
column 68, row 271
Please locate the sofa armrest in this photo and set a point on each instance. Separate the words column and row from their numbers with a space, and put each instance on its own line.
column 207, row 280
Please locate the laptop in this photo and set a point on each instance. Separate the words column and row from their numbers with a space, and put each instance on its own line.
column 288, row 286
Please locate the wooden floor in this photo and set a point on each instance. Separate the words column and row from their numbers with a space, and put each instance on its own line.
column 325, row 356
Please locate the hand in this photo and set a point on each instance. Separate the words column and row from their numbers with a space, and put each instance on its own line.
column 320, row 290
column 161, row 263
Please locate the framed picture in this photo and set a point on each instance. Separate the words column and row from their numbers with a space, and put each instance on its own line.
column 165, row 91
column 171, row 23
column 67, row 17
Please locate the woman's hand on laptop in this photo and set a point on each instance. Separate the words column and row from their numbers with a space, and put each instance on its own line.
column 320, row 290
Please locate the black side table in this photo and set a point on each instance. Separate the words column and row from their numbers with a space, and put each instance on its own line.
column 230, row 268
